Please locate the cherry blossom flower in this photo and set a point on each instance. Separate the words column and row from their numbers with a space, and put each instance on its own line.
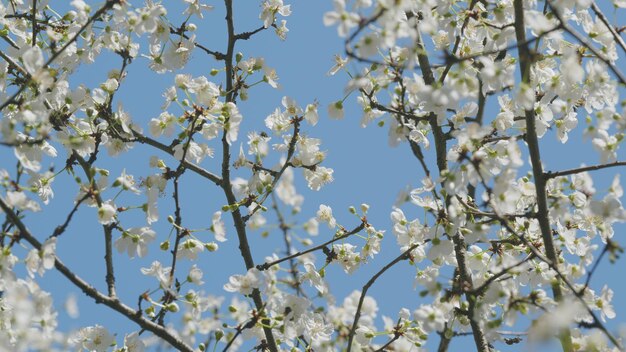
column 431, row 318
column 321, row 176
column 335, row 110
column 314, row 278
column 346, row 20
column 310, row 114
column 107, row 213
column 159, row 272
column 135, row 241
column 95, row 338
column 196, row 8
column 217, row 226
column 127, row 182
column 269, row 10
column 195, row 275
column 315, row 328
column 325, row 214
column 190, row 249
column 244, row 284
column 604, row 303
column 38, row 261
column 132, row 343
column 339, row 64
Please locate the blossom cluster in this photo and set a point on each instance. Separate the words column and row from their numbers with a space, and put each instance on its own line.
column 496, row 242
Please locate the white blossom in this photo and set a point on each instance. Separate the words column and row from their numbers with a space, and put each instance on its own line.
column 244, row 284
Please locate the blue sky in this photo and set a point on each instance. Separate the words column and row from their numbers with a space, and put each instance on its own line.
column 367, row 170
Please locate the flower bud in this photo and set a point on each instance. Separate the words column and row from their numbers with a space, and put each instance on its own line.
column 172, row 307
column 211, row 246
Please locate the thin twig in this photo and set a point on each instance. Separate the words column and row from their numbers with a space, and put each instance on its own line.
column 169, row 150
column 108, row 5
column 525, row 63
column 460, row 246
column 608, row 25
column 357, row 315
column 290, row 152
column 586, row 43
column 238, row 221
column 111, row 302
column 284, row 227
column 553, row 174
column 356, row 230
column 59, row 230
column 457, row 40
column 107, row 229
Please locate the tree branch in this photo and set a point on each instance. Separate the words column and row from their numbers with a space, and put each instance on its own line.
column 107, row 229
column 111, row 302
column 620, row 76
column 357, row 315
column 525, row 63
column 460, row 247
column 195, row 168
column 553, row 174
column 108, row 5
column 608, row 25
column 356, row 230
column 240, row 225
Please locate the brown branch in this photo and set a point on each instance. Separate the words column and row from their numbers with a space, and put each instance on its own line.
column 457, row 41
column 14, row 64
column 482, row 288
column 181, row 32
column 553, row 174
column 169, row 295
column 596, row 321
column 277, row 175
column 525, row 63
column 108, row 5
column 240, row 225
column 10, row 41
column 456, row 59
column 586, row 43
column 357, row 315
column 460, row 246
column 595, row 265
column 284, row 227
column 608, row 25
column 534, row 251
column 362, row 25
column 444, row 342
column 239, row 330
column 392, row 340
column 356, row 230
column 28, row 142
column 167, row 149
column 107, row 229
column 33, row 19
column 111, row 302
column 248, row 35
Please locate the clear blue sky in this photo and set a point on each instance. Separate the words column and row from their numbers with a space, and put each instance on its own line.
column 366, row 171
